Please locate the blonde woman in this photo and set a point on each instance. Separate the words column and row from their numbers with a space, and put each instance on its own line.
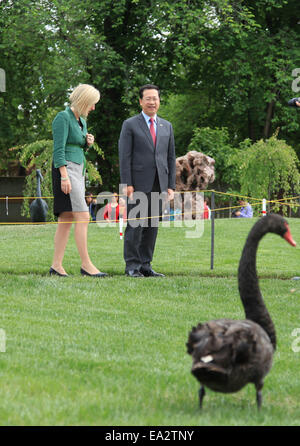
column 70, row 138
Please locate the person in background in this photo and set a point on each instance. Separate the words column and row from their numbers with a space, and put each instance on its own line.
column 245, row 211
column 70, row 139
column 114, row 209
column 206, row 209
column 174, row 212
column 92, row 203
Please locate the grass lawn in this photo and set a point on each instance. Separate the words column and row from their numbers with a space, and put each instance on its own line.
column 111, row 352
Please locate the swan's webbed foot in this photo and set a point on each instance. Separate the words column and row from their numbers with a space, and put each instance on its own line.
column 201, row 395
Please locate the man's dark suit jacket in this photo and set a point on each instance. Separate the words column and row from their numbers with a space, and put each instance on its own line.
column 140, row 160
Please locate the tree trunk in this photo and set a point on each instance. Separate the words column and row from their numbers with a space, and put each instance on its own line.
column 270, row 111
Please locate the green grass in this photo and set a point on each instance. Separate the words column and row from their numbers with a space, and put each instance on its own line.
column 85, row 351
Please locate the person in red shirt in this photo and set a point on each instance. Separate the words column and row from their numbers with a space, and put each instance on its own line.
column 206, row 211
column 114, row 209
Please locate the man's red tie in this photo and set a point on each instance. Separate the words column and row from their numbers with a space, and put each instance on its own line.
column 152, row 131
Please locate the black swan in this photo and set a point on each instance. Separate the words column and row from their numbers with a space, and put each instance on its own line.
column 38, row 208
column 227, row 354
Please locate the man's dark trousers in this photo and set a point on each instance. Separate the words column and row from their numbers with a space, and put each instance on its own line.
column 140, row 235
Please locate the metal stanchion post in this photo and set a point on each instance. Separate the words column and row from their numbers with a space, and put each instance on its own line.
column 264, row 207
column 212, row 230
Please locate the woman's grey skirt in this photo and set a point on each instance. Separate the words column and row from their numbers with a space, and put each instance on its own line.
column 75, row 200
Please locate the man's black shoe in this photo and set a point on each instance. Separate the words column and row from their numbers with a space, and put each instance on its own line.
column 150, row 273
column 133, row 273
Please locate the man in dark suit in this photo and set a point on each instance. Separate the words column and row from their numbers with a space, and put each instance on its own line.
column 147, row 165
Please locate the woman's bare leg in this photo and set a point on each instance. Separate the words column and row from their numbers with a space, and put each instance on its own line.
column 61, row 237
column 82, row 220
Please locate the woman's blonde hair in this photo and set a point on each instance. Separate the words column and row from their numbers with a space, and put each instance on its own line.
column 83, row 97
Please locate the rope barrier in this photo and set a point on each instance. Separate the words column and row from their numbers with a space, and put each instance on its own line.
column 176, row 192
column 127, row 219
column 282, row 201
column 232, row 195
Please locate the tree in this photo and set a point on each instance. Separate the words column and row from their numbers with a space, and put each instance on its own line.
column 47, row 47
column 235, row 57
column 186, row 112
column 39, row 66
column 269, row 169
column 245, row 70
column 38, row 155
column 142, row 42
column 216, row 144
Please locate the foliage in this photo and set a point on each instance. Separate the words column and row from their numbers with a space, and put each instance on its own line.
column 38, row 73
column 223, row 63
column 245, row 71
column 266, row 169
column 269, row 169
column 186, row 112
column 216, row 144
column 38, row 155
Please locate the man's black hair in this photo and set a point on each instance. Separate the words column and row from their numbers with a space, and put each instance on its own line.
column 148, row 87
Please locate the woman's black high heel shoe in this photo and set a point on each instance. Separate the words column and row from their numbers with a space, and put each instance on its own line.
column 52, row 272
column 85, row 273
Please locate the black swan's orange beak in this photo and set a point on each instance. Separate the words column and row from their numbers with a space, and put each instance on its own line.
column 288, row 236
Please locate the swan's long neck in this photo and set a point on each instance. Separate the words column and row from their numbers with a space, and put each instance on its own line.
column 38, row 186
column 251, row 297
